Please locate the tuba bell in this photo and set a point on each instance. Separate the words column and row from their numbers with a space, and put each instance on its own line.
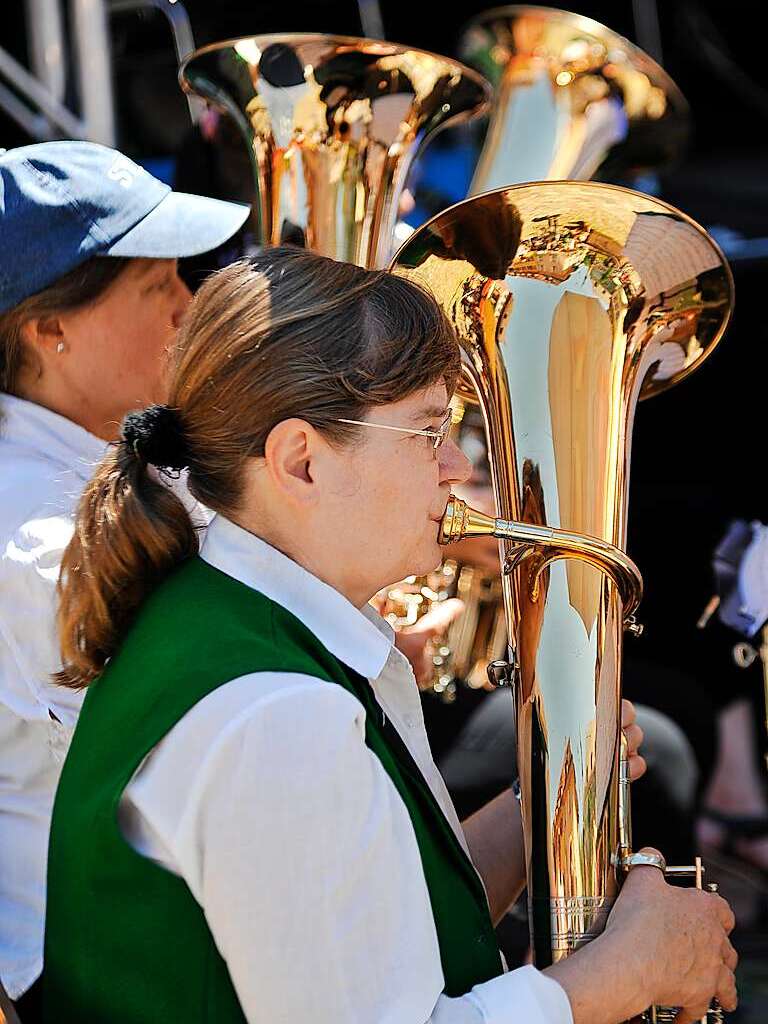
column 331, row 125
column 571, row 301
column 572, row 99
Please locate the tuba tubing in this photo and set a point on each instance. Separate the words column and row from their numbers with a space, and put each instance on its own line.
column 544, row 545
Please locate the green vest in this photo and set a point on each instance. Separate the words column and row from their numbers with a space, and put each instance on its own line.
column 125, row 940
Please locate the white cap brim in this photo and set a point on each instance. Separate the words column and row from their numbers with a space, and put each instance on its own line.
column 181, row 225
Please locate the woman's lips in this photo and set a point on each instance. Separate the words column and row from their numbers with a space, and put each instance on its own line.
column 438, row 516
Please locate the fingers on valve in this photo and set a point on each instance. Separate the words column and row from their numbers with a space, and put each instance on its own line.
column 637, row 766
column 730, row 956
column 726, row 989
column 634, row 735
column 724, row 913
column 628, row 713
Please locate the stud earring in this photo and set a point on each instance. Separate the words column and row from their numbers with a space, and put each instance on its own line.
column 60, row 347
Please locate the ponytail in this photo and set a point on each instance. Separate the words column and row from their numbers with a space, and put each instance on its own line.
column 131, row 530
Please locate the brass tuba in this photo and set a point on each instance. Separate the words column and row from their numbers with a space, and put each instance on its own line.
column 331, row 125
column 572, row 99
column 571, row 301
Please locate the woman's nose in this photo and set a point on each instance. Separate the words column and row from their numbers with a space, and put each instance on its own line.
column 455, row 467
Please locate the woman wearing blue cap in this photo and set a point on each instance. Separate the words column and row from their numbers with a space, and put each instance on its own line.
column 90, row 299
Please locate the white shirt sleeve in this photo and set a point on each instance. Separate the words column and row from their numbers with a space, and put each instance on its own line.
column 29, row 648
column 295, row 842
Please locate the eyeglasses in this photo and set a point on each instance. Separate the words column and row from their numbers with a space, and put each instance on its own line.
column 438, row 436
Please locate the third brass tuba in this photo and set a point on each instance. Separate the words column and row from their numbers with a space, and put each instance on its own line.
column 572, row 99
column 571, row 301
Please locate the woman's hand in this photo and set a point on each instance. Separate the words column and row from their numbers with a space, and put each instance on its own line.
column 663, row 945
column 683, row 935
column 634, row 737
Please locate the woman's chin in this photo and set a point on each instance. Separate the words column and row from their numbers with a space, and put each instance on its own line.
column 423, row 559
column 432, row 560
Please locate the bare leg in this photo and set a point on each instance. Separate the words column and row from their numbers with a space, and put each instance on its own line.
column 736, row 787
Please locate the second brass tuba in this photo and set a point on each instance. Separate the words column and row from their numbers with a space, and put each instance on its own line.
column 331, row 125
column 571, row 301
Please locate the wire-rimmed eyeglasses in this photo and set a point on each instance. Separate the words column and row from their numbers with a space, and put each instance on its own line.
column 438, row 436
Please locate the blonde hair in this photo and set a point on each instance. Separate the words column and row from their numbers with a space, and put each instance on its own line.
column 284, row 334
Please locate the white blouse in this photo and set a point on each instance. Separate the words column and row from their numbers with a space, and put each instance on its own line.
column 45, row 461
column 293, row 838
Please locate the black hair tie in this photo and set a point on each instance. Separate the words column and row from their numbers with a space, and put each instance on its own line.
column 156, row 435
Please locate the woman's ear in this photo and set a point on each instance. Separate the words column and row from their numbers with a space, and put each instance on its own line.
column 288, row 455
column 44, row 335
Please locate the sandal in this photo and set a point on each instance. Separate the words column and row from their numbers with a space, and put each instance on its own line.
column 736, row 829
column 738, row 826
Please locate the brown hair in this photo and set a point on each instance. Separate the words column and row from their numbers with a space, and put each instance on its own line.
column 85, row 284
column 286, row 333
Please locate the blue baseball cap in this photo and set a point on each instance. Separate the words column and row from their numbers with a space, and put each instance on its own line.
column 63, row 202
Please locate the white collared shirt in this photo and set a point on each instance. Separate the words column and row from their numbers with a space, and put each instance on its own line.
column 45, row 462
column 292, row 837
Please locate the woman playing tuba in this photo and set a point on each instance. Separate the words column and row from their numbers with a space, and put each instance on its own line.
column 249, row 824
